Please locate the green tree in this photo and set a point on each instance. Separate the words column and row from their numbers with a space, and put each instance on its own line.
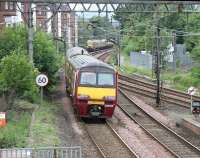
column 46, row 58
column 102, row 28
column 12, row 38
column 17, row 76
column 84, row 33
column 96, row 28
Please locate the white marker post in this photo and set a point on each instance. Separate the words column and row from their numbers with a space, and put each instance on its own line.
column 42, row 80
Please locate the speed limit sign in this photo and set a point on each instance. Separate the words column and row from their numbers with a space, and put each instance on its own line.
column 41, row 80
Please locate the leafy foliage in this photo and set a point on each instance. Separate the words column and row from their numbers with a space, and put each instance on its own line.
column 84, row 33
column 12, row 39
column 46, row 59
column 17, row 76
column 102, row 27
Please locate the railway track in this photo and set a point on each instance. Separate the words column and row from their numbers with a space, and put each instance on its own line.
column 149, row 89
column 108, row 142
column 103, row 56
column 100, row 51
column 174, row 143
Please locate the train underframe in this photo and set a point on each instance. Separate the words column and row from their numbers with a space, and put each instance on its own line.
column 86, row 110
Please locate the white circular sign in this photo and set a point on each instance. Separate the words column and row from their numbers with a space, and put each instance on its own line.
column 42, row 80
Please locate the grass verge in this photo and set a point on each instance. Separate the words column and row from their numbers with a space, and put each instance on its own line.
column 44, row 129
column 181, row 80
column 15, row 134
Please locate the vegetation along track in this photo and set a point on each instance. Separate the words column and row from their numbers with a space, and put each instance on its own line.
column 149, row 89
column 174, row 143
column 108, row 142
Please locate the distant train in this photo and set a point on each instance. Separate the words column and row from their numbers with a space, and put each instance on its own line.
column 93, row 45
column 91, row 83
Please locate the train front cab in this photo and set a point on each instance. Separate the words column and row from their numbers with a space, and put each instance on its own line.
column 96, row 93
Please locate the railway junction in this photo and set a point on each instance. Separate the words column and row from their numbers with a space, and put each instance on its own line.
column 97, row 109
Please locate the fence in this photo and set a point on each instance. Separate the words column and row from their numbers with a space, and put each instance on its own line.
column 53, row 152
column 141, row 60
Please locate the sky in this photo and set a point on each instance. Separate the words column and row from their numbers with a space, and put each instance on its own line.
column 79, row 7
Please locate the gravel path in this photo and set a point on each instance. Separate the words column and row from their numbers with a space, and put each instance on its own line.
column 136, row 138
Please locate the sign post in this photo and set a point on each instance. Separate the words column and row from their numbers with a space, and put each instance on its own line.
column 41, row 80
column 195, row 106
column 191, row 91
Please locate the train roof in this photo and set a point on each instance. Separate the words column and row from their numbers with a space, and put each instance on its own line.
column 82, row 61
column 76, row 51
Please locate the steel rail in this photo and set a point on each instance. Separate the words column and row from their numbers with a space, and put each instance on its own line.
column 163, row 133
column 96, row 144
column 100, row 51
column 164, row 89
column 115, row 135
column 120, row 138
column 103, row 56
column 152, row 94
column 165, row 92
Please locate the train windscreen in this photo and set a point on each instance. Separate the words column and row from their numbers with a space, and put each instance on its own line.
column 97, row 79
column 88, row 78
column 105, row 79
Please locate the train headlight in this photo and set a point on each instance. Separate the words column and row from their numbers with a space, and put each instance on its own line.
column 109, row 98
column 83, row 97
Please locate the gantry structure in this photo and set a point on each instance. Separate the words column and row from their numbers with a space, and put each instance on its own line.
column 122, row 5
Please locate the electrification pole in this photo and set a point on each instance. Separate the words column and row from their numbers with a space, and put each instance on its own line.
column 65, row 40
column 158, row 64
column 65, row 46
column 119, row 54
column 157, row 57
column 30, row 32
column 174, row 53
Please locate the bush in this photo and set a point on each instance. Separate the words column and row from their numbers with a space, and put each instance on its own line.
column 17, row 76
